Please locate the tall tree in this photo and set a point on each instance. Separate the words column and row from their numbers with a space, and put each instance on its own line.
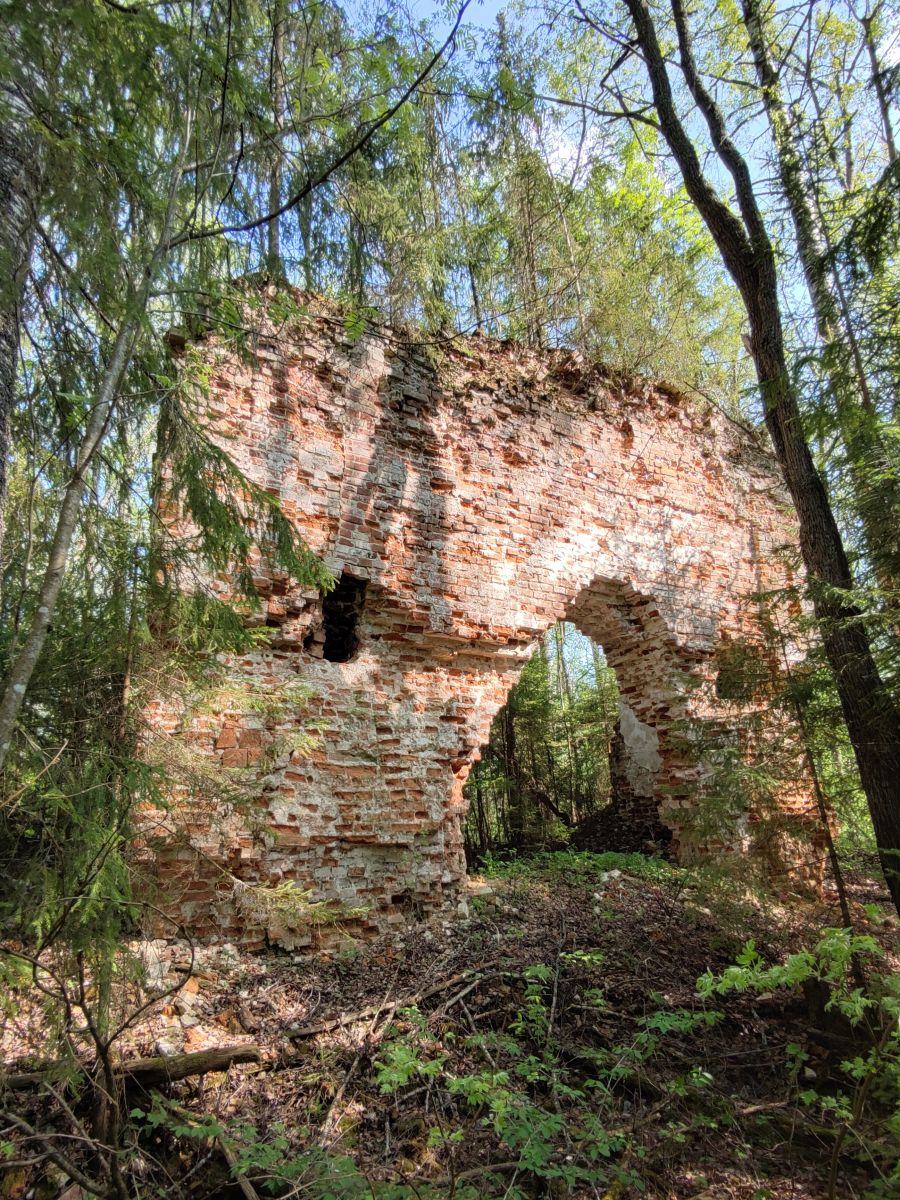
column 873, row 474
column 20, row 158
column 745, row 245
column 179, row 173
column 278, row 88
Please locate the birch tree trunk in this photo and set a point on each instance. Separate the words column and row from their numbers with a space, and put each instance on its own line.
column 22, row 667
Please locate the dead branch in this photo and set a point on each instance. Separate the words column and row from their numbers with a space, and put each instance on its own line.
column 305, row 1031
column 145, row 1072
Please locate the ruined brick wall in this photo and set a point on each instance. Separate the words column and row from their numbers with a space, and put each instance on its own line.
column 465, row 504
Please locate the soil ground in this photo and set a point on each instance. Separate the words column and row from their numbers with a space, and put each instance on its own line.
column 552, row 1044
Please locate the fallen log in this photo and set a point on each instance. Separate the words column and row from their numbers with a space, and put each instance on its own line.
column 156, row 1072
column 165, row 1069
column 144, row 1072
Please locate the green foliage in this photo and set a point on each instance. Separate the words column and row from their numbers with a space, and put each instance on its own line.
column 743, row 672
column 538, row 1084
column 231, row 516
column 401, row 1060
column 866, row 1104
column 521, row 1103
column 268, row 1156
column 828, row 962
column 581, row 868
column 172, row 1118
column 122, row 103
column 546, row 765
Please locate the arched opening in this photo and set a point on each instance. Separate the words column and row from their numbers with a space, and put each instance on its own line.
column 545, row 772
column 589, row 748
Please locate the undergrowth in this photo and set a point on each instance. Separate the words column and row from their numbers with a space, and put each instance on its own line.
column 578, row 866
column 599, row 1033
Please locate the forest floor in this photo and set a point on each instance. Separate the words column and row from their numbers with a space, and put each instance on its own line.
column 553, row 1044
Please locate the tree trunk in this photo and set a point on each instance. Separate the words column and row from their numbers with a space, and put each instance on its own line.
column 516, row 807
column 598, row 676
column 743, row 242
column 19, row 182
column 279, row 108
column 22, row 667
column 884, row 104
column 869, row 712
column 565, row 704
column 873, row 477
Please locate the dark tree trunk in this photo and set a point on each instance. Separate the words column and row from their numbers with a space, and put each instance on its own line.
column 743, row 242
column 274, row 258
column 19, row 180
column 869, row 712
column 516, row 813
column 872, row 475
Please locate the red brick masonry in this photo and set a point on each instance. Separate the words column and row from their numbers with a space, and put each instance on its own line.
column 481, row 493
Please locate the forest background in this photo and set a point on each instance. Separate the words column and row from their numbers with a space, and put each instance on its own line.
column 521, row 179
column 710, row 196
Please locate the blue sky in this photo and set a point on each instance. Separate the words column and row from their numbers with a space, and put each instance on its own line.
column 480, row 12
column 483, row 12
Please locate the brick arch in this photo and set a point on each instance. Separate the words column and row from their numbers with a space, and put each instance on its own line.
column 470, row 502
column 656, row 677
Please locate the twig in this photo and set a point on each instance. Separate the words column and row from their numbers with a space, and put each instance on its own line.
column 484, row 1050
column 551, row 1018
column 249, row 1191
column 458, row 998
column 390, row 1009
column 11, row 801
column 53, row 1154
column 305, row 1031
column 473, row 1172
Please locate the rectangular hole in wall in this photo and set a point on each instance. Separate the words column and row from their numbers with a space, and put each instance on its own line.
column 341, row 610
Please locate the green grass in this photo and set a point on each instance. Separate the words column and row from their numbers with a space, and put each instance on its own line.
column 580, row 867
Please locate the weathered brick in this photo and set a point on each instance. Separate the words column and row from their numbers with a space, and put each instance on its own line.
column 480, row 501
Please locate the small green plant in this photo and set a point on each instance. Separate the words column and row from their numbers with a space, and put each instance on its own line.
column 866, row 1110
column 521, row 1101
column 583, row 958
column 532, row 1019
column 165, row 1115
column 582, row 868
column 405, row 1058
